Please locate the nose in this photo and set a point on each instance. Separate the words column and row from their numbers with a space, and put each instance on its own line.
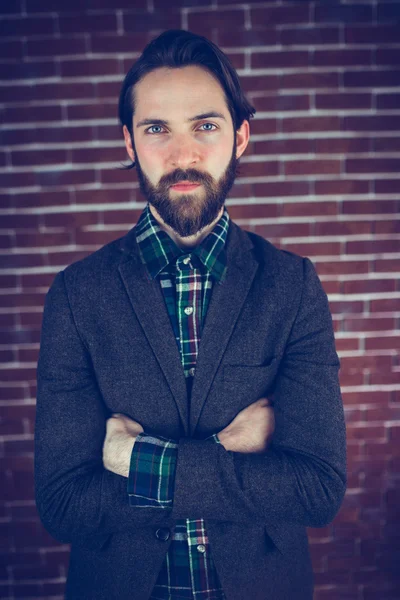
column 184, row 153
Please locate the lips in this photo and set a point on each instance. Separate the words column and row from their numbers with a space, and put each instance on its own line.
column 184, row 186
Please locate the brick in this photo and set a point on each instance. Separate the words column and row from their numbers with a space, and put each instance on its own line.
column 372, row 165
column 56, row 46
column 341, row 186
column 96, row 111
column 226, row 38
column 28, row 26
column 383, row 343
column 252, row 211
column 369, row 78
column 388, row 144
column 291, row 209
column 44, row 198
column 275, row 15
column 282, row 103
column 340, row 58
column 308, row 80
column 89, row 68
column 35, row 157
column 171, row 19
column 365, row 286
column 366, row 207
column 261, row 126
column 343, row 228
column 386, row 265
column 260, row 169
column 314, row 248
column 27, row 70
column 365, row 432
column 375, row 34
column 42, row 239
column 372, row 246
column 387, row 186
column 387, row 56
column 203, row 22
column 343, row 101
column 385, row 305
column 12, row 49
column 371, row 123
column 285, row 146
column 345, row 344
column 280, row 230
column 108, row 44
column 103, row 196
column 281, row 189
column 48, row 135
column 343, row 13
column 98, row 155
column 309, row 124
column 31, row 114
column 88, row 23
column 67, row 177
column 310, row 36
column 72, row 220
column 312, row 167
column 275, row 60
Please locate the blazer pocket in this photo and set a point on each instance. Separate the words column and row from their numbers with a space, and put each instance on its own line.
column 250, row 382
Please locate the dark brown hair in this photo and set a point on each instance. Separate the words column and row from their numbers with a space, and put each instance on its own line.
column 178, row 48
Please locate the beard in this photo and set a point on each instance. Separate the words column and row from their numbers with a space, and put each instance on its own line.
column 188, row 213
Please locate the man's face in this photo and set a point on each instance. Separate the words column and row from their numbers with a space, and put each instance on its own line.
column 203, row 151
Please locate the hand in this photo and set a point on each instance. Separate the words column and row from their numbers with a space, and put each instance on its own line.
column 121, row 432
column 251, row 430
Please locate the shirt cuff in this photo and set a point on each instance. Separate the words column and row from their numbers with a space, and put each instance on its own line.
column 214, row 437
column 152, row 469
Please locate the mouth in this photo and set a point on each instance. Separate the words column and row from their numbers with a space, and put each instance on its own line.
column 185, row 186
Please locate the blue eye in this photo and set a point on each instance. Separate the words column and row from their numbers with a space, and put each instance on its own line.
column 212, row 124
column 151, row 127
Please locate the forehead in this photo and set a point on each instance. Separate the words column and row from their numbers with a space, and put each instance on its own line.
column 182, row 91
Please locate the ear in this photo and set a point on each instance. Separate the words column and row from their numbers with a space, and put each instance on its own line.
column 242, row 138
column 128, row 143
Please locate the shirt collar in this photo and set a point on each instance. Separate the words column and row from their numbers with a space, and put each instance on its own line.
column 157, row 249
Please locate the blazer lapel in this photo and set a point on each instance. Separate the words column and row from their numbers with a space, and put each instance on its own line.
column 149, row 306
column 225, row 305
column 224, row 309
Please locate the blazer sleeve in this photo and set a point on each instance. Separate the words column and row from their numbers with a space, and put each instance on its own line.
column 301, row 478
column 76, row 497
column 152, row 470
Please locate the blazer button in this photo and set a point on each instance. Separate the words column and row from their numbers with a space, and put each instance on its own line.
column 163, row 534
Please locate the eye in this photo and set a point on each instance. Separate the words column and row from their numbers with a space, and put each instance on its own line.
column 212, row 124
column 151, row 127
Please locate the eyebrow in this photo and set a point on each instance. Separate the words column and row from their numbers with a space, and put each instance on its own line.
column 207, row 115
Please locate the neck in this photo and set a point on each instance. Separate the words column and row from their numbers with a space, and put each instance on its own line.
column 191, row 241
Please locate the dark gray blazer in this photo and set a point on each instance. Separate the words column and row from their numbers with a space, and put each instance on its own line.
column 107, row 346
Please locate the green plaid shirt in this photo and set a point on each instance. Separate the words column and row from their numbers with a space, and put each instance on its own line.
column 186, row 280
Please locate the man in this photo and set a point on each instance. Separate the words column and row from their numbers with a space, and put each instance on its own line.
column 189, row 418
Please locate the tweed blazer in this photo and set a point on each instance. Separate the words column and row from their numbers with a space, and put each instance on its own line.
column 107, row 346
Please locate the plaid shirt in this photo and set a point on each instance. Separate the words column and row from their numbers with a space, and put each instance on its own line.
column 186, row 280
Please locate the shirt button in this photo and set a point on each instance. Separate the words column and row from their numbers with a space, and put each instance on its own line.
column 188, row 310
column 186, row 260
column 201, row 548
column 191, row 371
column 163, row 534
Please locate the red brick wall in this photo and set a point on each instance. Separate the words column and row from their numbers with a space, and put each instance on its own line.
column 320, row 177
